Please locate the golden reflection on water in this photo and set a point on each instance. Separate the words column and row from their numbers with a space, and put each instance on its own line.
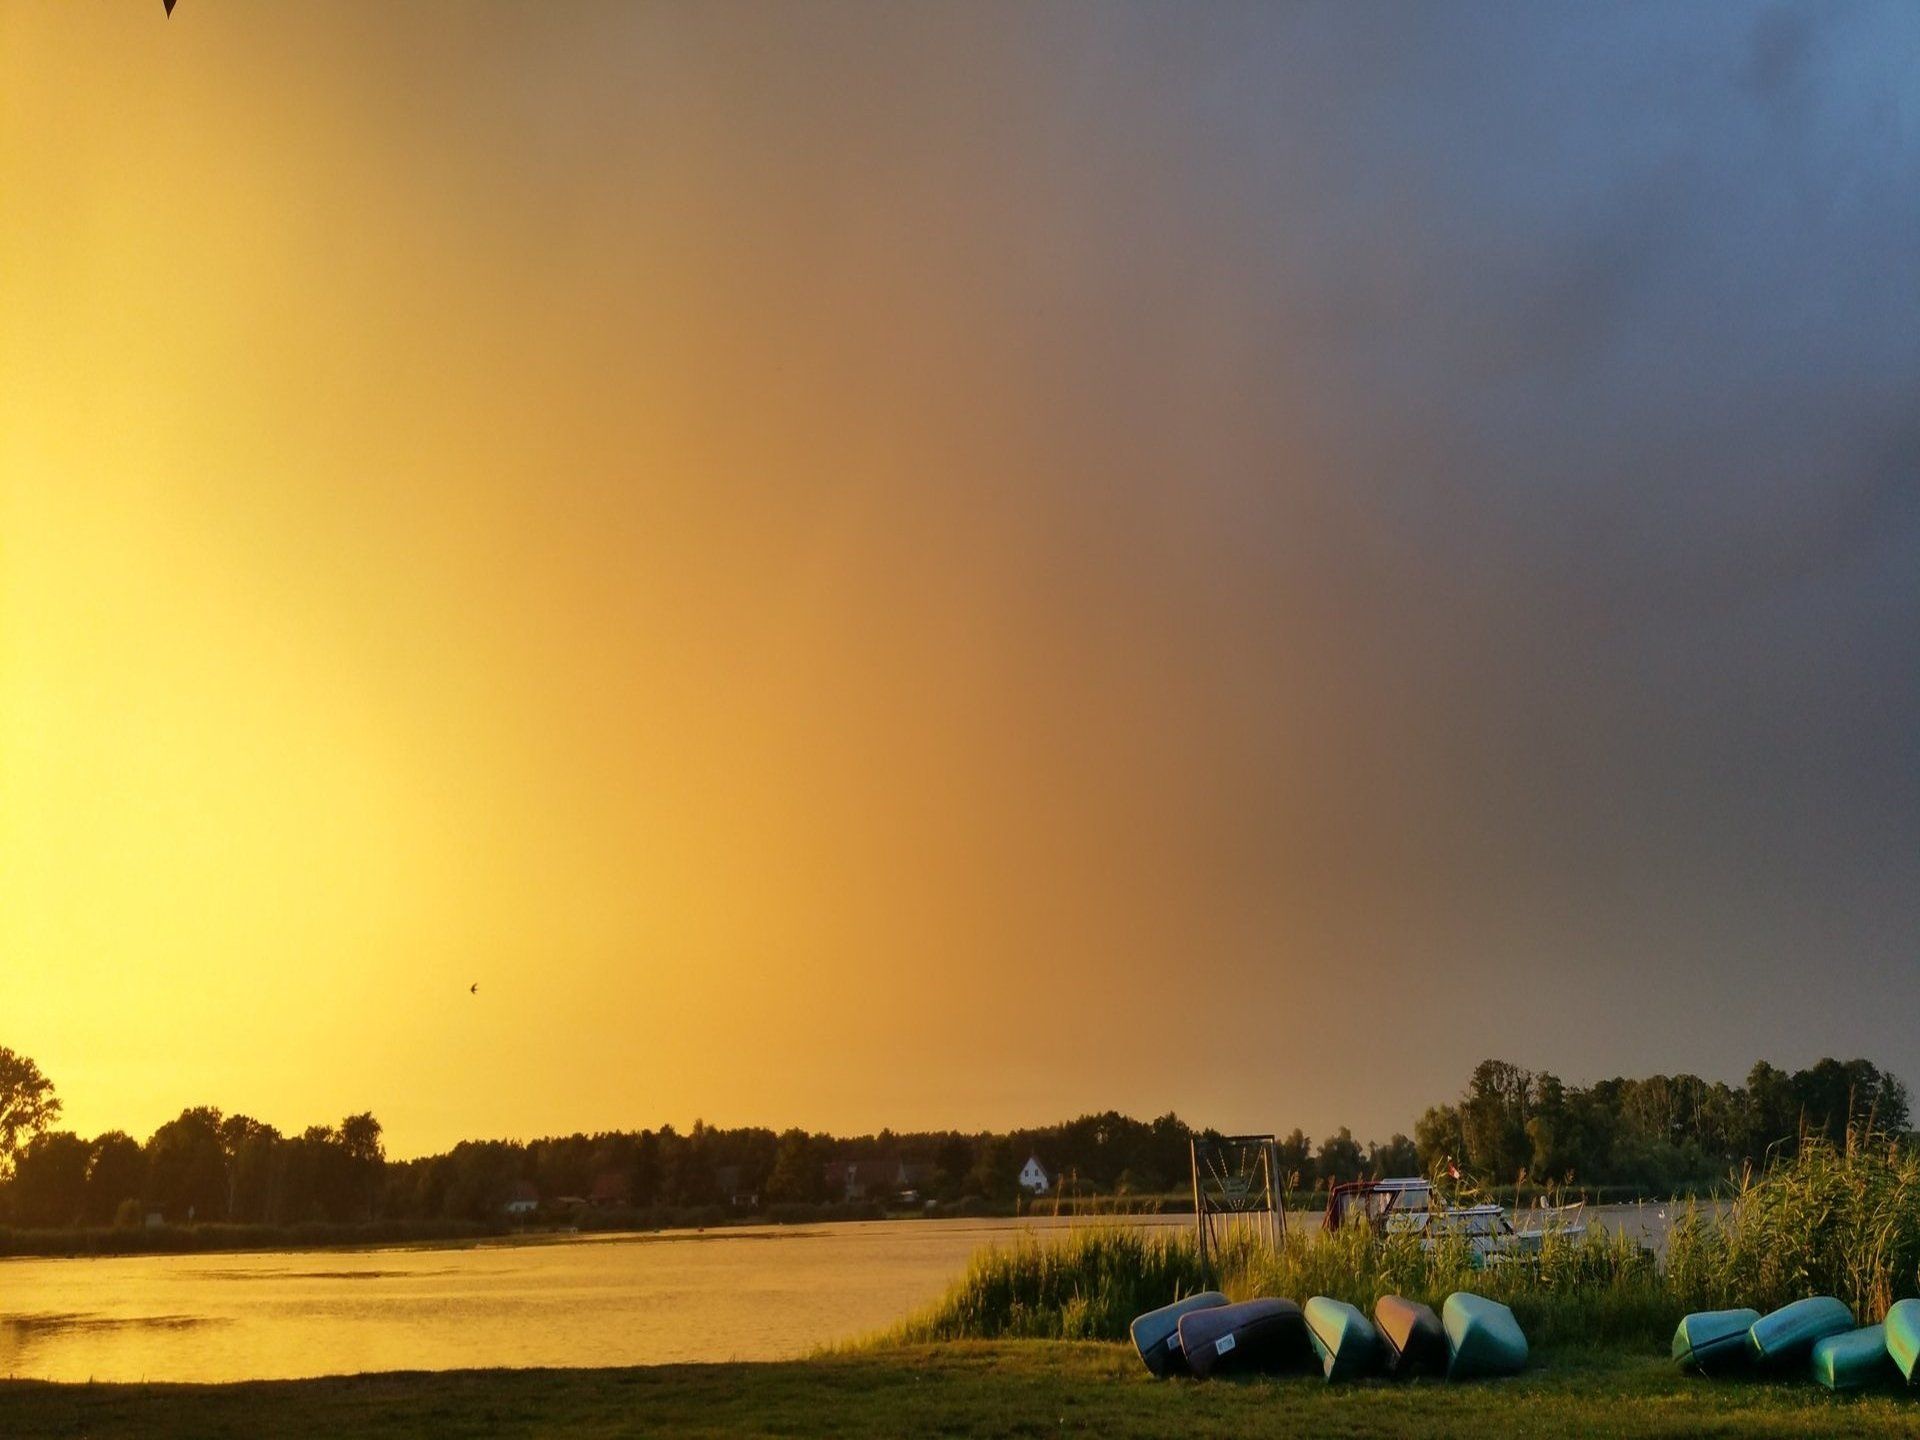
column 623, row 1300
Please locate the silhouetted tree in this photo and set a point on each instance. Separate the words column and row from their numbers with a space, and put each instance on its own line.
column 187, row 1167
column 50, row 1179
column 27, row 1105
column 798, row 1170
column 1340, row 1158
column 116, row 1169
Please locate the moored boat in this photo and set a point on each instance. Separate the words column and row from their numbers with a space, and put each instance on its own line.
column 1903, row 1339
column 1853, row 1360
column 1262, row 1334
column 1412, row 1339
column 1341, row 1336
column 1483, row 1338
column 1156, row 1334
column 1409, row 1206
column 1787, row 1335
column 1713, row 1341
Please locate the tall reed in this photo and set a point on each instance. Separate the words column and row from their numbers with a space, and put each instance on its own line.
column 1090, row 1285
column 1833, row 1220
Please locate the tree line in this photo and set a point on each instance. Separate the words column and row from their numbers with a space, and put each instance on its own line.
column 1660, row 1133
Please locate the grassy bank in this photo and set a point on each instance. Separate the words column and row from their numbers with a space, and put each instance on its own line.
column 1004, row 1389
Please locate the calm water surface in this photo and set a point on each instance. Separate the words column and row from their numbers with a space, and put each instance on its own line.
column 755, row 1293
column 747, row 1293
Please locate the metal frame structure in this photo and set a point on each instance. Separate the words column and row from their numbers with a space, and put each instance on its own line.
column 1236, row 1185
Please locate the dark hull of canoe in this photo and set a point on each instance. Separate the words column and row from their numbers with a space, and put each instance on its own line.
column 1412, row 1340
column 1714, row 1342
column 1483, row 1338
column 1156, row 1334
column 1787, row 1336
column 1342, row 1338
column 1903, row 1339
column 1856, row 1360
column 1255, row 1335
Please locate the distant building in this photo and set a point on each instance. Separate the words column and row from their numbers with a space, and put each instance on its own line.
column 874, row 1179
column 740, row 1194
column 522, row 1199
column 611, row 1189
column 1034, row 1178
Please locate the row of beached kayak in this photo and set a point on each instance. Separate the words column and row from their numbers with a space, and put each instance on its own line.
column 1205, row 1335
column 1818, row 1333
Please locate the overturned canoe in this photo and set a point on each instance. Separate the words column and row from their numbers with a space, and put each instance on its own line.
column 1253, row 1335
column 1156, row 1334
column 1786, row 1336
column 1854, row 1360
column 1903, row 1339
column 1412, row 1340
column 1341, row 1336
column 1713, row 1341
column 1483, row 1338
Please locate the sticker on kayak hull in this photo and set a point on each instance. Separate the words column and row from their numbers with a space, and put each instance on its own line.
column 1173, row 1341
column 1223, row 1345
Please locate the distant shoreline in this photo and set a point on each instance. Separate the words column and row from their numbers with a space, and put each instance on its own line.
column 227, row 1238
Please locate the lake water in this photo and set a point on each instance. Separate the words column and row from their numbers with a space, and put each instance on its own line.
column 758, row 1293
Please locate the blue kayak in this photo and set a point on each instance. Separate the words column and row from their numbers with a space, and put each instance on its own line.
column 1262, row 1335
column 1787, row 1336
column 1156, row 1334
column 1854, row 1360
column 1713, row 1341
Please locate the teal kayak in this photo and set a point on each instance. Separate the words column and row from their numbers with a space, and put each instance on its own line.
column 1412, row 1340
column 1903, row 1338
column 1156, row 1334
column 1482, row 1336
column 1713, row 1341
column 1787, row 1335
column 1342, row 1337
column 1854, row 1360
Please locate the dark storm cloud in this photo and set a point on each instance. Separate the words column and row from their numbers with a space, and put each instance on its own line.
column 1595, row 334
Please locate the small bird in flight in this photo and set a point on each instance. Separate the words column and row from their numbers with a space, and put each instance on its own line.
column 474, row 989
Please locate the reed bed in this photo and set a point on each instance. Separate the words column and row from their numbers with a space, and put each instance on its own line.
column 1838, row 1220
column 1834, row 1220
column 1089, row 1286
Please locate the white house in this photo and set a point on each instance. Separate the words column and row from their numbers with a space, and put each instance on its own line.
column 523, row 1199
column 1034, row 1178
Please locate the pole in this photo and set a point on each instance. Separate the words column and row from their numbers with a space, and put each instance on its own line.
column 1199, row 1213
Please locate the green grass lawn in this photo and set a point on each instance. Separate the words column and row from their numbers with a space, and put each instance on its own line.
column 1016, row 1388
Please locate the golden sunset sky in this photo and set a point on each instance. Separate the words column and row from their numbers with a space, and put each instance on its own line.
column 942, row 565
